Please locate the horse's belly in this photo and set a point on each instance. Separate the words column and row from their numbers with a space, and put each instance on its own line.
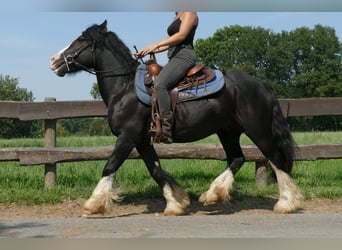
column 194, row 132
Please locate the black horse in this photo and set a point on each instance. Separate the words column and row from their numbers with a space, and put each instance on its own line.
column 245, row 105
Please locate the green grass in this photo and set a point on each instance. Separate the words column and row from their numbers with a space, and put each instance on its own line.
column 317, row 137
column 72, row 141
column 25, row 185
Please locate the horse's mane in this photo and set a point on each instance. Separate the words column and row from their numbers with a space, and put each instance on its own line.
column 109, row 40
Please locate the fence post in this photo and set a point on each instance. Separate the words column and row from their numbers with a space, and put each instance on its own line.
column 261, row 177
column 50, row 141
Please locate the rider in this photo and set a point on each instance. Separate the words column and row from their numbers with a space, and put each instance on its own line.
column 179, row 44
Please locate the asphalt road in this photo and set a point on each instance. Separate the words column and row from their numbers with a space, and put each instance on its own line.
column 150, row 226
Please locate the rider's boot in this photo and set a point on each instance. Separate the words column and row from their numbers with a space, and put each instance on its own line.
column 166, row 125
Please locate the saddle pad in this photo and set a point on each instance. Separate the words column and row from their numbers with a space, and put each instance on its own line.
column 209, row 88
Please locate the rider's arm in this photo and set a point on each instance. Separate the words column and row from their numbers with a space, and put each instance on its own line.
column 189, row 19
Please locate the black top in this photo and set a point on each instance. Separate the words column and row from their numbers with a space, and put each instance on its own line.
column 174, row 28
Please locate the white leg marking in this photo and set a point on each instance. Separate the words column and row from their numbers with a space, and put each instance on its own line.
column 176, row 200
column 101, row 200
column 219, row 190
column 290, row 196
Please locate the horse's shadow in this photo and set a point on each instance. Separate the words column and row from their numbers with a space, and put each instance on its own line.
column 234, row 206
column 246, row 204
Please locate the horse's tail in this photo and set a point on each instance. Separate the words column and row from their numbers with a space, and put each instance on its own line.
column 282, row 136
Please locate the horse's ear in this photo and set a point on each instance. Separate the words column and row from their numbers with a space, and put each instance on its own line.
column 104, row 25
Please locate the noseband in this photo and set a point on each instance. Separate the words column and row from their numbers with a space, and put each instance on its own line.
column 71, row 59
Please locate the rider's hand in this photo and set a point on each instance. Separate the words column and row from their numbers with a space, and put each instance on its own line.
column 148, row 50
column 139, row 54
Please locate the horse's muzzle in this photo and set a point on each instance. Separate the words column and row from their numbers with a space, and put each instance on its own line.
column 55, row 64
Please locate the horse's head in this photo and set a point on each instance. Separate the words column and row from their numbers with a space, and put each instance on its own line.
column 79, row 55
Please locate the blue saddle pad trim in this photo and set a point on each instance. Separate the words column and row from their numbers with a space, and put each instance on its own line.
column 209, row 88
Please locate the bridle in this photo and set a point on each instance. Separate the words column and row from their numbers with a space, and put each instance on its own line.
column 71, row 59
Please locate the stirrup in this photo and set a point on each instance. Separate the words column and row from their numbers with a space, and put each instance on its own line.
column 155, row 129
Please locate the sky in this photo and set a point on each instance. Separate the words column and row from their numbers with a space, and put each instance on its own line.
column 30, row 37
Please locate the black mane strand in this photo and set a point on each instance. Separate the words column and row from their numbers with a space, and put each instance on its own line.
column 109, row 40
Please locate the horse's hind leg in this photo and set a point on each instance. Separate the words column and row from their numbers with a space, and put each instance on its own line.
column 176, row 199
column 219, row 190
column 290, row 196
column 279, row 152
column 281, row 160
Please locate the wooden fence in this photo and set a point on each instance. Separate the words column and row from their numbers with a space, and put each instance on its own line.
column 50, row 110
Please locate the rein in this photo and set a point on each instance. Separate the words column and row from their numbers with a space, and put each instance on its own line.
column 71, row 59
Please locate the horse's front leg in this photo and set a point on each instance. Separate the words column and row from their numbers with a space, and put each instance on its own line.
column 101, row 200
column 220, row 188
column 176, row 199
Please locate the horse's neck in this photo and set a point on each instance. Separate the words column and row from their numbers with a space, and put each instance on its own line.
column 110, row 87
column 111, row 84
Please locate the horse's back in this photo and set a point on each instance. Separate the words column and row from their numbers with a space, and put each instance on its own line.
column 243, row 81
column 253, row 99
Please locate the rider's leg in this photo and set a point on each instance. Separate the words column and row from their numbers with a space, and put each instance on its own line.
column 171, row 73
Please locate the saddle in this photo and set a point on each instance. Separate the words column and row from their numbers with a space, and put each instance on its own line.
column 194, row 78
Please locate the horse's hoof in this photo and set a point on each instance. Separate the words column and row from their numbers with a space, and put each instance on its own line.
column 97, row 205
column 286, row 207
column 203, row 199
column 175, row 208
column 174, row 212
column 207, row 199
column 87, row 212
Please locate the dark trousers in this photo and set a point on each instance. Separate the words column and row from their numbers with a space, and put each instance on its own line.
column 181, row 60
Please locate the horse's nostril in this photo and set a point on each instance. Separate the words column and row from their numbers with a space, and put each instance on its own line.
column 54, row 57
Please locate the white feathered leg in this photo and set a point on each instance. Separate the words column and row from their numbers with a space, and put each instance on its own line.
column 176, row 200
column 219, row 190
column 101, row 200
column 290, row 196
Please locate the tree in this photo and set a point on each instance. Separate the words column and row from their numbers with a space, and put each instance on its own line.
column 300, row 63
column 10, row 91
column 317, row 62
column 95, row 92
column 306, row 61
column 317, row 68
column 235, row 47
column 12, row 128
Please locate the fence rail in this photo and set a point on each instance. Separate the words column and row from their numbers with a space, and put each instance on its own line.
column 51, row 110
column 26, row 111
column 38, row 155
